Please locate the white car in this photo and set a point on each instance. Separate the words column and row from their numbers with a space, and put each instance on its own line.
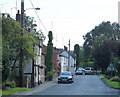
column 88, row 70
column 80, row 71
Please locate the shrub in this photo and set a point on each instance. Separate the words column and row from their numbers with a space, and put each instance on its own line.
column 49, row 76
column 10, row 84
column 108, row 77
column 58, row 73
column 116, row 78
column 111, row 73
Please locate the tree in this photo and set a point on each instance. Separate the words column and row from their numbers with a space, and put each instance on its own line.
column 30, row 25
column 103, row 54
column 77, row 52
column 12, row 43
column 82, row 58
column 117, row 60
column 96, row 37
column 49, row 57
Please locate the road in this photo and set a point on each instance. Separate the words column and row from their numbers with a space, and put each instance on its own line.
column 83, row 85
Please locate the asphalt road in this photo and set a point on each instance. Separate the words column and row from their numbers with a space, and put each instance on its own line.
column 83, row 85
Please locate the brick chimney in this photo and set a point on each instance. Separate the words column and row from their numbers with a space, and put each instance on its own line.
column 18, row 16
column 65, row 48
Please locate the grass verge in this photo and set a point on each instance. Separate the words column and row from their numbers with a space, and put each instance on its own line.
column 113, row 84
column 15, row 90
column 0, row 92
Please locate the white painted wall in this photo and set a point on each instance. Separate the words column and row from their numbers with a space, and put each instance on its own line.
column 71, row 67
column 63, row 59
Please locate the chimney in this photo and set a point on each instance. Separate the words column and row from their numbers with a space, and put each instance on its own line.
column 18, row 16
column 65, row 48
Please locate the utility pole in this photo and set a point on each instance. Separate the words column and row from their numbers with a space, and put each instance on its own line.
column 22, row 13
column 21, row 72
column 69, row 56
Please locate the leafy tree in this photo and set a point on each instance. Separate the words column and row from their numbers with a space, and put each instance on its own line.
column 30, row 25
column 13, row 42
column 96, row 37
column 82, row 58
column 103, row 54
column 101, row 42
column 117, row 60
column 117, row 64
column 88, row 64
column 77, row 52
column 49, row 58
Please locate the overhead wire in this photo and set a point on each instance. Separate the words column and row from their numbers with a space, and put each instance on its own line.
column 38, row 17
column 44, row 26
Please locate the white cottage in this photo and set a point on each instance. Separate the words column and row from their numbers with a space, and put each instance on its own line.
column 33, row 69
column 67, row 61
column 72, row 62
column 63, row 60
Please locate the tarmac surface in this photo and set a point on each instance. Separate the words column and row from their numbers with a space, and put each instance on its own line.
column 83, row 85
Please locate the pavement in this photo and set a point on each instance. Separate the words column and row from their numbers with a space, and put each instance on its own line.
column 39, row 88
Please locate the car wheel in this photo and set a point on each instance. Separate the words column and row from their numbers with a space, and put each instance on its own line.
column 58, row 82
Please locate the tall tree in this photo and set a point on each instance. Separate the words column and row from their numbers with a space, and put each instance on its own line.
column 82, row 58
column 49, row 58
column 12, row 43
column 96, row 37
column 30, row 24
column 103, row 54
column 77, row 52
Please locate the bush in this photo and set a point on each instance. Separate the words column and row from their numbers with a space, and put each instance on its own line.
column 108, row 77
column 49, row 76
column 116, row 78
column 111, row 73
column 10, row 84
column 58, row 73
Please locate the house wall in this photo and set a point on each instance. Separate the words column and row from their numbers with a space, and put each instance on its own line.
column 42, row 73
column 71, row 67
column 64, row 61
column 37, row 70
column 59, row 68
column 55, row 62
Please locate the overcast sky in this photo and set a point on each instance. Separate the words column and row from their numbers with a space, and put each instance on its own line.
column 68, row 19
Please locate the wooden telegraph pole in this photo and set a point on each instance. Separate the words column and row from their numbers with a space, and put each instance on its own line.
column 21, row 72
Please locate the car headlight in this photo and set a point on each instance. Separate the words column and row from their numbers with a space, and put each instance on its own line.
column 59, row 77
column 69, row 77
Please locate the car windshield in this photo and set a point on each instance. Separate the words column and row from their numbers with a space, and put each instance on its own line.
column 65, row 73
column 87, row 68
